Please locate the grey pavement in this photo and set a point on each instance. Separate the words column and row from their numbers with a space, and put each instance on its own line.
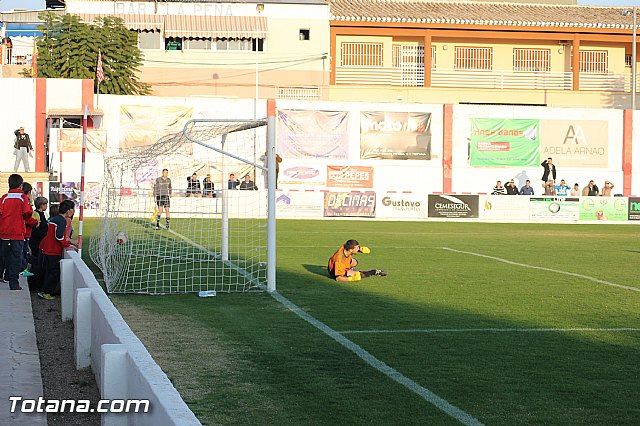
column 19, row 358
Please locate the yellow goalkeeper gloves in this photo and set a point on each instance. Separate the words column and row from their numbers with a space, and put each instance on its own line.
column 354, row 277
column 365, row 250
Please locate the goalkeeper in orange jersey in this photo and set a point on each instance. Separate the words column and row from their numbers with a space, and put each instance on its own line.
column 341, row 264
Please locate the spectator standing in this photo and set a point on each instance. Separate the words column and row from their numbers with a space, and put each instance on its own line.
column 607, row 189
column 527, row 189
column 193, row 185
column 207, row 187
column 22, row 149
column 233, row 182
column 52, row 249
column 37, row 235
column 549, row 188
column 8, row 46
column 575, row 192
column 499, row 189
column 247, row 184
column 549, row 170
column 591, row 190
column 511, row 188
column 29, row 223
column 14, row 209
column 562, row 189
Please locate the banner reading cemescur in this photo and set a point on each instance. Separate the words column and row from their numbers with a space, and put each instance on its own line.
column 453, row 206
column 352, row 204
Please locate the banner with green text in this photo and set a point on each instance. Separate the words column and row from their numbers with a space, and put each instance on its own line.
column 504, row 142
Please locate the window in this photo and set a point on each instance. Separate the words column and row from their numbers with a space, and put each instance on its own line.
column 531, row 60
column 239, row 44
column 173, row 43
column 197, row 43
column 474, row 58
column 305, row 34
column 361, row 54
column 628, row 60
column 149, row 39
column 594, row 61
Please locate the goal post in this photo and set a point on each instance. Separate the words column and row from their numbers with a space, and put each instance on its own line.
column 201, row 235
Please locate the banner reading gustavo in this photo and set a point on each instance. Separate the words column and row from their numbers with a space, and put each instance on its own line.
column 395, row 135
column 504, row 142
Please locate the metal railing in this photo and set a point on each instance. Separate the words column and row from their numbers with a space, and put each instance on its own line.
column 299, row 92
column 441, row 77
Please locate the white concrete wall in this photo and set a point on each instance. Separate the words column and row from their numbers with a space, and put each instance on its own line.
column 144, row 378
column 16, row 109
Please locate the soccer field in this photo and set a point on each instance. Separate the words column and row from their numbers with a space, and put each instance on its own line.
column 476, row 323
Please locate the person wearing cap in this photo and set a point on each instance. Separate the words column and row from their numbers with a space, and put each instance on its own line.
column 22, row 149
column 606, row 190
column 590, row 190
column 562, row 189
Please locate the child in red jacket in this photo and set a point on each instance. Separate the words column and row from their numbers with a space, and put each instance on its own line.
column 52, row 249
column 14, row 210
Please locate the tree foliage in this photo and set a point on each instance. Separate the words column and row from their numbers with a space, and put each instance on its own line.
column 69, row 48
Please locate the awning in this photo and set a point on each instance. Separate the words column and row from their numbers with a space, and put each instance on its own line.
column 72, row 112
column 216, row 26
column 133, row 22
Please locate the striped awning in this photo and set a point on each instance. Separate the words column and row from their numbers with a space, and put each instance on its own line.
column 133, row 22
column 216, row 26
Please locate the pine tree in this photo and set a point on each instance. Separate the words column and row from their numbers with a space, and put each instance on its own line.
column 69, row 48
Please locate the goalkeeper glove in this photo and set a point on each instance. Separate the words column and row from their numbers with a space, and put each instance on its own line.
column 355, row 277
column 365, row 250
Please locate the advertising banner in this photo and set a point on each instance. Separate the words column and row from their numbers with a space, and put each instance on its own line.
column 71, row 140
column 299, row 204
column 500, row 207
column 603, row 208
column 352, row 204
column 453, row 206
column 498, row 142
column 350, row 176
column 575, row 143
column 555, row 208
column 312, row 134
column 71, row 191
column 302, row 174
column 395, row 135
column 402, row 206
column 142, row 125
column 634, row 208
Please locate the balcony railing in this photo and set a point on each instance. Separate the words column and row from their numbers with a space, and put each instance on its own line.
column 441, row 77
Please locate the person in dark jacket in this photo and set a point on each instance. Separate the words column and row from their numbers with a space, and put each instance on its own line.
column 549, row 169
column 37, row 235
column 22, row 149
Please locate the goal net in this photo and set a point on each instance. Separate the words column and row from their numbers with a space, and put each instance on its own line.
column 174, row 223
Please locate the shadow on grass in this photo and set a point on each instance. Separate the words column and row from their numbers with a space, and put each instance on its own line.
column 317, row 270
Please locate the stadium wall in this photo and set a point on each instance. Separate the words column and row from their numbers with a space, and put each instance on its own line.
column 123, row 367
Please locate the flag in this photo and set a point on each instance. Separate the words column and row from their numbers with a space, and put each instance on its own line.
column 99, row 70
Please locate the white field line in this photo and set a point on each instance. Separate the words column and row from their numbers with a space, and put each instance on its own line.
column 524, row 265
column 492, row 330
column 374, row 362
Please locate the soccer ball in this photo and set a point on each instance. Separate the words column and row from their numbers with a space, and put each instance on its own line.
column 121, row 238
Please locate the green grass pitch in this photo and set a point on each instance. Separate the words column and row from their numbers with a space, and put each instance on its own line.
column 521, row 324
